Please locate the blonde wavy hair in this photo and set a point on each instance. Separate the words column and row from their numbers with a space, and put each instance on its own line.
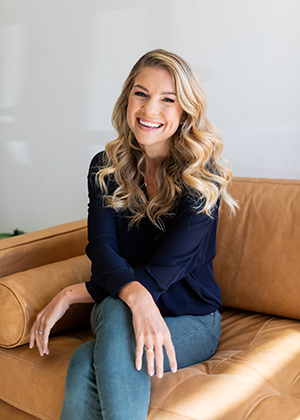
column 193, row 167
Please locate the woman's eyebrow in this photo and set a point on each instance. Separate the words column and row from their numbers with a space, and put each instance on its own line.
column 146, row 90
column 141, row 87
column 169, row 93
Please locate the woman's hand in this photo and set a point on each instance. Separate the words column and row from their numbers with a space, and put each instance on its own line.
column 151, row 331
column 47, row 318
column 45, row 321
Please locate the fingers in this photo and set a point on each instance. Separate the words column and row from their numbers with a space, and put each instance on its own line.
column 32, row 337
column 159, row 361
column 170, row 350
column 155, row 358
column 150, row 359
column 139, row 354
column 150, row 356
column 39, row 335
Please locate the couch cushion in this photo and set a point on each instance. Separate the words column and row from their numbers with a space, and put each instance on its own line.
column 257, row 264
column 24, row 294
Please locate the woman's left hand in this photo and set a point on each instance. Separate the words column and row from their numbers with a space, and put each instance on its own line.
column 151, row 331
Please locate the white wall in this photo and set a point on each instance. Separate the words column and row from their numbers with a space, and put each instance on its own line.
column 62, row 64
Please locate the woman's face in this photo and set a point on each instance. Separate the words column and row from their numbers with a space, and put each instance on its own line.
column 153, row 111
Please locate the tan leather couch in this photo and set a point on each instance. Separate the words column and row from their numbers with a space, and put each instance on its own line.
column 255, row 372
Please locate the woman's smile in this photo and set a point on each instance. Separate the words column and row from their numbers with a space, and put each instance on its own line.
column 145, row 124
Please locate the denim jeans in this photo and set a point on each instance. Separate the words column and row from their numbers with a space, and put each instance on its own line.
column 102, row 382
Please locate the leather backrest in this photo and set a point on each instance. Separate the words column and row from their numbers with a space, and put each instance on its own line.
column 258, row 251
column 42, row 247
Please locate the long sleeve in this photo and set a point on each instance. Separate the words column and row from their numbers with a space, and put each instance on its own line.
column 109, row 270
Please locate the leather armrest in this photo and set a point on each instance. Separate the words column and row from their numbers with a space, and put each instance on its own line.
column 24, row 294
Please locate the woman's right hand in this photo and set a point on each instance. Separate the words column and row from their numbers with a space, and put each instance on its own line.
column 56, row 308
column 151, row 331
column 45, row 320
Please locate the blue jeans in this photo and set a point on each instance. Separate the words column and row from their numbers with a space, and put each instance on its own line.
column 102, row 382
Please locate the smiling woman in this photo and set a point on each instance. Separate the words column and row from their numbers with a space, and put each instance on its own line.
column 154, row 195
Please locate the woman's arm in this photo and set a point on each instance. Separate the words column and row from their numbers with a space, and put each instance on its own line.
column 55, row 310
column 110, row 272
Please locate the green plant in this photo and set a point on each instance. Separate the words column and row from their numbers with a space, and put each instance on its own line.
column 16, row 232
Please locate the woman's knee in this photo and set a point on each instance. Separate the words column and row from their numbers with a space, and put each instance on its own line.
column 113, row 329
column 111, row 313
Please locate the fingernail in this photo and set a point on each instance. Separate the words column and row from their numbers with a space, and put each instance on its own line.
column 159, row 375
column 151, row 373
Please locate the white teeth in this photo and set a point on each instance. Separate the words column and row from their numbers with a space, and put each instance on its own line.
column 149, row 124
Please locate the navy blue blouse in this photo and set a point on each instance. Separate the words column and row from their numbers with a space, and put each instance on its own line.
column 175, row 266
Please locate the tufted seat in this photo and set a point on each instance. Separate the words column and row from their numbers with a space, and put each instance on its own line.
column 254, row 375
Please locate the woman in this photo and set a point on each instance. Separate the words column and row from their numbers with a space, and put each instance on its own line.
column 153, row 210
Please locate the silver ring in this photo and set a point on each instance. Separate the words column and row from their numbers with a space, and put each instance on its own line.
column 38, row 332
column 149, row 349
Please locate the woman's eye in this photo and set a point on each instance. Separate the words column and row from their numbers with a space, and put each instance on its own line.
column 142, row 94
column 169, row 100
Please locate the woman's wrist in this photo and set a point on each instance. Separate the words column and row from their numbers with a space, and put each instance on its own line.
column 133, row 294
column 77, row 293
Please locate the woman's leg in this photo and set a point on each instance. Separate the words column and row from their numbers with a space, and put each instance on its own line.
column 102, row 382
column 124, row 392
column 81, row 399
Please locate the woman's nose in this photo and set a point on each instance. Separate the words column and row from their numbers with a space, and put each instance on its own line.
column 151, row 107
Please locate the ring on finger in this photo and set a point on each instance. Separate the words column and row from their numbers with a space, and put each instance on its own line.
column 38, row 332
column 149, row 349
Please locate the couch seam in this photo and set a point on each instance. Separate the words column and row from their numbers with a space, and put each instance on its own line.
column 258, row 402
column 171, row 413
column 25, row 409
column 33, row 364
column 276, row 181
column 24, row 314
column 181, row 382
column 291, row 386
column 261, row 328
column 227, row 358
